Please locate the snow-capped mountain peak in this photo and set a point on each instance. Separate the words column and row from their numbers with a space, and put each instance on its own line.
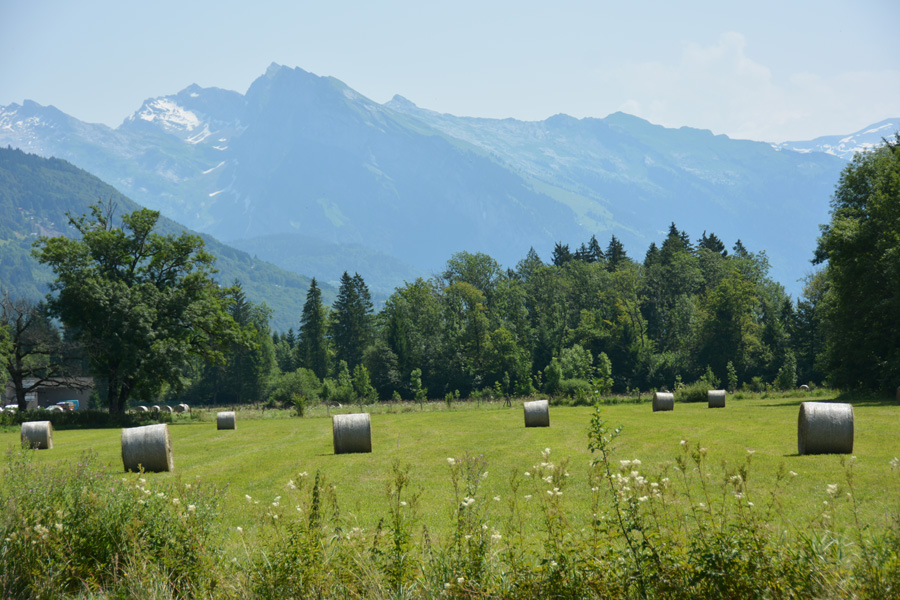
column 846, row 146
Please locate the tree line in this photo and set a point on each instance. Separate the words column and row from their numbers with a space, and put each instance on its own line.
column 151, row 322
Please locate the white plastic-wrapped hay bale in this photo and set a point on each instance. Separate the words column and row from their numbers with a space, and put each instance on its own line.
column 663, row 401
column 148, row 447
column 804, row 388
column 38, row 435
column 537, row 413
column 54, row 408
column 825, row 428
column 226, row 420
column 716, row 398
column 352, row 433
column 140, row 409
column 182, row 408
column 154, row 408
column 166, row 408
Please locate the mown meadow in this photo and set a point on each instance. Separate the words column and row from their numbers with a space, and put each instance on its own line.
column 464, row 501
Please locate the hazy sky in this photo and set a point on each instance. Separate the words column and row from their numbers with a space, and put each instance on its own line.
column 765, row 70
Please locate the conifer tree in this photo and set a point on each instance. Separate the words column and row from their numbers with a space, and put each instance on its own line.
column 312, row 351
column 351, row 326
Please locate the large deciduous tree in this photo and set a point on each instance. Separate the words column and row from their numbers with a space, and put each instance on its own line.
column 144, row 305
column 861, row 249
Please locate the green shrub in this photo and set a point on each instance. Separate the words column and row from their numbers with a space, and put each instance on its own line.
column 694, row 392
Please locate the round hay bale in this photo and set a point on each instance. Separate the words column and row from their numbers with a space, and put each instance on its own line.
column 226, row 420
column 825, row 428
column 140, row 409
column 716, row 398
column 663, row 401
column 38, row 435
column 352, row 433
column 182, row 408
column 148, row 447
column 54, row 408
column 166, row 408
column 537, row 413
column 154, row 408
column 804, row 388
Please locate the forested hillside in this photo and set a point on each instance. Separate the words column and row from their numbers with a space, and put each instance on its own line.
column 35, row 195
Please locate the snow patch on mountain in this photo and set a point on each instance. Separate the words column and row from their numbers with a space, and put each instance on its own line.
column 847, row 146
column 172, row 117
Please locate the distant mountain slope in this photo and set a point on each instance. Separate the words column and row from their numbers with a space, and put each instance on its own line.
column 625, row 176
column 305, row 155
column 304, row 254
column 35, row 195
column 846, row 146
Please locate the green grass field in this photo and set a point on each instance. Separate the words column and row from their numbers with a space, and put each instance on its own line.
column 269, row 449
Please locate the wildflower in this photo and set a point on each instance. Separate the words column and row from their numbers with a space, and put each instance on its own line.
column 528, row 496
column 468, row 536
column 240, row 529
column 553, row 563
column 160, row 495
column 595, row 489
column 275, row 504
column 496, row 498
column 545, row 453
column 460, row 580
column 484, row 475
column 142, row 480
column 684, row 442
column 495, row 536
column 58, row 527
column 176, row 501
column 526, row 474
column 249, row 499
column 792, row 473
column 750, row 452
column 291, row 485
column 191, row 508
column 624, row 465
column 832, row 489
column 895, row 463
column 548, row 479
column 402, row 503
column 448, row 585
column 451, row 461
column 635, row 463
column 643, row 499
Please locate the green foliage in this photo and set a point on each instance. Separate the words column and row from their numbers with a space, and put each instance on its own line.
column 861, row 249
column 287, row 387
column 731, row 374
column 351, row 318
column 143, row 305
column 787, row 374
column 311, row 349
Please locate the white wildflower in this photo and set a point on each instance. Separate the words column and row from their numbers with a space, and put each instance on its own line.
column 451, row 461
column 832, row 489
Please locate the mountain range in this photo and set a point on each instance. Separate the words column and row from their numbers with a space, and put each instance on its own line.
column 307, row 173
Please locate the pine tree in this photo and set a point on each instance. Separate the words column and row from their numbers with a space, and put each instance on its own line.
column 615, row 254
column 351, row 327
column 561, row 254
column 312, row 351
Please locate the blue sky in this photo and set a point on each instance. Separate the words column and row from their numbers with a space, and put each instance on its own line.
column 766, row 70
